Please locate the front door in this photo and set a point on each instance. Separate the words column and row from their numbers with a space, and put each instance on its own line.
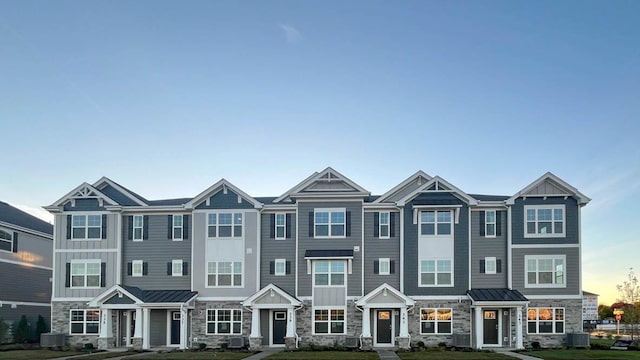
column 175, row 328
column 383, row 327
column 490, row 327
column 279, row 327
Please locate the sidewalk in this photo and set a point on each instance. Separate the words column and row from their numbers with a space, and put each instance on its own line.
column 387, row 354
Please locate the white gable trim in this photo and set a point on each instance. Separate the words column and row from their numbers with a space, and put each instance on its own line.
column 80, row 192
column 107, row 294
column 105, row 179
column 363, row 301
column 317, row 177
column 582, row 199
column 250, row 301
column 213, row 189
column 437, row 179
column 401, row 186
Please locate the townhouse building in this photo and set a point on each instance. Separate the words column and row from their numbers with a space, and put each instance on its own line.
column 26, row 263
column 326, row 262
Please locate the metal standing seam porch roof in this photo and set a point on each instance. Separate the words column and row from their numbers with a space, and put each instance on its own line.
column 160, row 296
column 496, row 295
column 328, row 253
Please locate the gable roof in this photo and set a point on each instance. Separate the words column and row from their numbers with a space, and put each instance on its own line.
column 558, row 187
column 384, row 289
column 14, row 216
column 439, row 184
column 417, row 177
column 249, row 302
column 213, row 189
column 82, row 191
column 128, row 193
column 326, row 176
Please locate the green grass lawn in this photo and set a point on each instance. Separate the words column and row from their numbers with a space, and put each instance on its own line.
column 451, row 355
column 180, row 355
column 39, row 354
column 325, row 355
column 584, row 354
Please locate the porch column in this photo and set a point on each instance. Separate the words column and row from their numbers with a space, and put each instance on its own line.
column 404, row 322
column 183, row 327
column 106, row 328
column 478, row 326
column 146, row 328
column 255, row 323
column 137, row 332
column 291, row 323
column 129, row 314
column 519, row 344
column 366, row 322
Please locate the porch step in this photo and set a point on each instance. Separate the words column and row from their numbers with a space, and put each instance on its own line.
column 387, row 354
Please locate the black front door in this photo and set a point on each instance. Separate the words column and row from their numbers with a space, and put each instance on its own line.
column 490, row 328
column 175, row 327
column 279, row 327
column 383, row 327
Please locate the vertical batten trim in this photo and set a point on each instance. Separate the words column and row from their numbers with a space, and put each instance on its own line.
column 362, row 259
column 470, row 265
column 509, row 249
column 258, row 242
column 402, row 250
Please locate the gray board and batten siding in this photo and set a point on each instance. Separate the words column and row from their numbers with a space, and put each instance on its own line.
column 157, row 250
column 272, row 248
column 109, row 240
column 460, row 247
column 353, row 237
column 483, row 246
column 109, row 262
column 376, row 248
column 571, row 217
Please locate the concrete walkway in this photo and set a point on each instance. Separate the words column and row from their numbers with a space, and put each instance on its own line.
column 263, row 354
column 385, row 354
column 516, row 354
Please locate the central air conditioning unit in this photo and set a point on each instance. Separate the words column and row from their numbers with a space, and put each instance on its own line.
column 351, row 342
column 462, row 340
column 52, row 340
column 236, row 342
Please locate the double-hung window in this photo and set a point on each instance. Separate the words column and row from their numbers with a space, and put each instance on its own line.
column 544, row 221
column 490, row 266
column 222, row 321
column 490, row 223
column 178, row 227
column 6, row 240
column 545, row 270
column 545, row 320
column 84, row 322
column 383, row 226
column 138, row 227
column 176, row 268
column 436, row 272
column 329, row 272
column 280, row 267
column 86, row 227
column 224, row 274
column 329, row 223
column 329, row 321
column 224, row 225
column 137, row 268
column 434, row 222
column 281, row 226
column 86, row 274
column 384, row 266
column 436, row 321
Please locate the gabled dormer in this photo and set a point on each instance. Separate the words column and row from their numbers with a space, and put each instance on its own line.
column 223, row 195
column 83, row 197
column 329, row 183
column 549, row 185
column 406, row 187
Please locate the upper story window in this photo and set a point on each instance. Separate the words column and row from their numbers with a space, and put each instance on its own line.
column 84, row 322
column 224, row 225
column 6, row 240
column 435, row 222
column 281, row 226
column 436, row 272
column 384, row 266
column 224, row 274
column 280, row 267
column 545, row 320
column 383, row 227
column 490, row 265
column 329, row 223
column 544, row 221
column 136, row 268
column 329, row 273
column 138, row 227
column 178, row 227
column 545, row 271
column 490, row 223
column 86, row 274
column 176, row 268
column 86, row 227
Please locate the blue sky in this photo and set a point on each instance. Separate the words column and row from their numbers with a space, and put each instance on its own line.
column 166, row 98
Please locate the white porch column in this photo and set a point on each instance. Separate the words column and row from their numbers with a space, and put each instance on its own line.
column 146, row 328
column 128, row 328
column 183, row 327
column 404, row 322
column 291, row 323
column 478, row 326
column 255, row 323
column 137, row 332
column 106, row 328
column 519, row 344
column 366, row 322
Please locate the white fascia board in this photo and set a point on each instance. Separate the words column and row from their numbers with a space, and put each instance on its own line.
column 211, row 190
column 400, row 186
column 278, row 208
column 490, row 205
column 454, row 190
column 107, row 294
column 582, row 199
column 363, row 301
column 292, row 301
column 296, row 188
column 358, row 195
column 169, row 209
column 373, row 206
column 69, row 195
column 295, row 191
column 26, row 230
column 105, row 179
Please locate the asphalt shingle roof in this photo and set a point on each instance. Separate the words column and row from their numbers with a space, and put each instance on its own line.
column 12, row 215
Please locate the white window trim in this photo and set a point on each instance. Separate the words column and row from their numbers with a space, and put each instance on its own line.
column 85, row 262
column 283, row 226
column 420, row 284
column 141, row 227
column 174, row 227
column 86, row 226
column 330, row 224
column 84, row 322
column 329, row 308
column 217, row 274
column 435, row 223
column 436, row 321
column 8, row 241
column 283, row 263
column 552, row 234
column 231, row 322
column 174, row 263
column 488, row 260
column 329, row 273
column 553, row 320
column 233, row 225
column 141, row 264
column 388, row 225
column 487, row 223
column 386, row 261
column 553, row 276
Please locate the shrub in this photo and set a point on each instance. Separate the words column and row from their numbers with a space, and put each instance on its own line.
column 202, row 346
column 421, row 345
column 41, row 327
column 21, row 330
column 442, row 344
column 4, row 329
column 536, row 345
column 88, row 347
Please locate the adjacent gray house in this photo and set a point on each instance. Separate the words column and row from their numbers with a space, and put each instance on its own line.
column 26, row 263
column 324, row 262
